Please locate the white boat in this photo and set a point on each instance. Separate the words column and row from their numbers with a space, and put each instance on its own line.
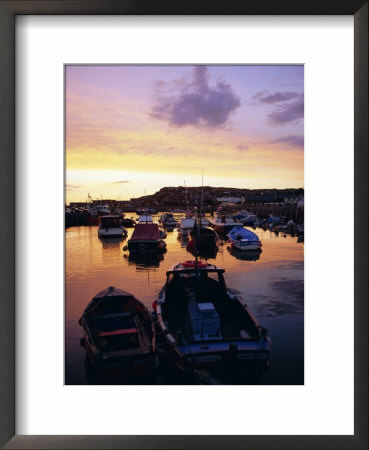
column 243, row 239
column 185, row 225
column 223, row 224
column 111, row 226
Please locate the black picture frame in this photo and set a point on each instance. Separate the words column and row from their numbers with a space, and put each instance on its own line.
column 8, row 12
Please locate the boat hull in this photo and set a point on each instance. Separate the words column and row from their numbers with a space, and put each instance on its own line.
column 245, row 247
column 118, row 370
column 111, row 232
column 217, row 356
column 144, row 246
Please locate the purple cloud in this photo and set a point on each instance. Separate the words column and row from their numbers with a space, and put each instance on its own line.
column 287, row 106
column 196, row 103
column 291, row 141
column 243, row 147
column 277, row 97
column 287, row 112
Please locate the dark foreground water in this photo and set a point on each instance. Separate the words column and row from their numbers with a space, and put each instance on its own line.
column 272, row 286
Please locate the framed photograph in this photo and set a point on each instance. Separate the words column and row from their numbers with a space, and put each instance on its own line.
column 145, row 150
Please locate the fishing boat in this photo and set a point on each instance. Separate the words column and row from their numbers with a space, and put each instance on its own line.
column 243, row 239
column 146, row 238
column 203, row 325
column 111, row 226
column 119, row 336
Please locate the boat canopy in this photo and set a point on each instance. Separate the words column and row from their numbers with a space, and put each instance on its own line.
column 147, row 231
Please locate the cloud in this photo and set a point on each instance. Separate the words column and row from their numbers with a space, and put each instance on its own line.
column 277, row 97
column 291, row 141
column 195, row 102
column 287, row 106
column 120, row 182
column 243, row 147
column 287, row 112
column 71, row 187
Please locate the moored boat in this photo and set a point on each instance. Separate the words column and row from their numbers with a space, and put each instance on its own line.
column 119, row 336
column 203, row 325
column 243, row 239
column 168, row 221
column 111, row 226
column 146, row 238
column 223, row 224
column 185, row 225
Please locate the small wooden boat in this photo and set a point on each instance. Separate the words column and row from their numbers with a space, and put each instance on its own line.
column 243, row 239
column 119, row 336
column 203, row 325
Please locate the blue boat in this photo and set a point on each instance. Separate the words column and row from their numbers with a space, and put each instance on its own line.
column 243, row 239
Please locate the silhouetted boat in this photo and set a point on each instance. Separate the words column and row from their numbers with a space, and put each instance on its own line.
column 119, row 336
column 128, row 223
column 203, row 325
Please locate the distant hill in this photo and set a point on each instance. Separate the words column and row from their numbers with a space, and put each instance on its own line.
column 175, row 196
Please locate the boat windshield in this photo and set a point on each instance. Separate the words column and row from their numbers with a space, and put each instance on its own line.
column 110, row 222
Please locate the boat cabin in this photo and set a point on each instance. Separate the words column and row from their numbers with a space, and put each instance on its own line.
column 110, row 221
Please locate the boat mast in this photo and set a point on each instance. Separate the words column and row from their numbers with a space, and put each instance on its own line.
column 188, row 212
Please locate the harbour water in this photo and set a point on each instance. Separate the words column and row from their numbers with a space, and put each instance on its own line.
column 270, row 282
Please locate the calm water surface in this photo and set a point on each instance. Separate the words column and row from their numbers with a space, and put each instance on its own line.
column 272, row 286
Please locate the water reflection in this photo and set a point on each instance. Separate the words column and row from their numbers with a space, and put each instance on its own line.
column 183, row 239
column 207, row 252
column 245, row 255
column 111, row 242
column 271, row 284
column 144, row 260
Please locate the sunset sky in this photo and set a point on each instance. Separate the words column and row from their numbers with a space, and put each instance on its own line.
column 131, row 130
